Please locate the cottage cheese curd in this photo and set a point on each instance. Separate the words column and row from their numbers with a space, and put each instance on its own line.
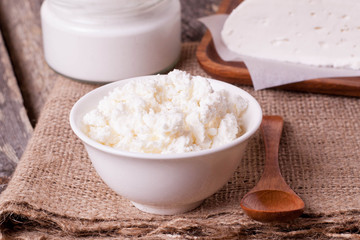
column 172, row 113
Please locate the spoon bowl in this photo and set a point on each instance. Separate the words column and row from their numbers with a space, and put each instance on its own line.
column 272, row 205
column 272, row 200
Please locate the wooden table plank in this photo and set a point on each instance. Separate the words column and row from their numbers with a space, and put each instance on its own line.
column 20, row 21
column 191, row 10
column 15, row 125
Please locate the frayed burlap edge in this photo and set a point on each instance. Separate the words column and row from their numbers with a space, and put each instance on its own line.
column 36, row 224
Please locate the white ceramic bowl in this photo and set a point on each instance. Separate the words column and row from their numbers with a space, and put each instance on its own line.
column 165, row 183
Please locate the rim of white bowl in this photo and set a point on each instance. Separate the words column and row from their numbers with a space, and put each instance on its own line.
column 161, row 156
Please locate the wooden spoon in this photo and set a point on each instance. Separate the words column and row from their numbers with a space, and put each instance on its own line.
column 272, row 200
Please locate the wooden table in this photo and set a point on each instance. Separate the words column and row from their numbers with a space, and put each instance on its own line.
column 26, row 79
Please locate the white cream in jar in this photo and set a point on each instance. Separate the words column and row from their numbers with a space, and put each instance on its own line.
column 109, row 40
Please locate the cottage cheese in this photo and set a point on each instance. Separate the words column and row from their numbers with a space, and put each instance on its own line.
column 173, row 113
column 313, row 32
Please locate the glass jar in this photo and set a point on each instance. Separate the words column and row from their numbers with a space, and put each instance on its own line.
column 109, row 40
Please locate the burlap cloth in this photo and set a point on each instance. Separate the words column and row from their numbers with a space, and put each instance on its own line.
column 56, row 194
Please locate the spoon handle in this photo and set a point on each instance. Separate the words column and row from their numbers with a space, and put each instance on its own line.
column 271, row 129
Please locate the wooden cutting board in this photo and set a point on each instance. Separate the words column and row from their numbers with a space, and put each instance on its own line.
column 236, row 72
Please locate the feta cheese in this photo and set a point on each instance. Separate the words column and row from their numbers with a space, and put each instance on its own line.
column 322, row 33
column 171, row 113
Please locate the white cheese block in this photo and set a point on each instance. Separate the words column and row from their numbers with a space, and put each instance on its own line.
column 314, row 32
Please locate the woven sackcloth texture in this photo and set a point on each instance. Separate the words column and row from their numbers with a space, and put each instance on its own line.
column 56, row 194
